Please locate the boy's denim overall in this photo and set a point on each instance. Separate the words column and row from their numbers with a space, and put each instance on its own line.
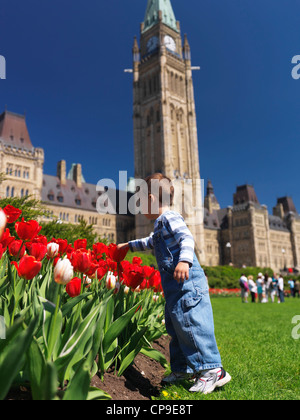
column 188, row 314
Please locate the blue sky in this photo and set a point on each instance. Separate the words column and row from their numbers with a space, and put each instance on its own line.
column 65, row 62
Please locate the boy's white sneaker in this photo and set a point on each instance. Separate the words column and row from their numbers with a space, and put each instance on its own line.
column 209, row 380
column 177, row 377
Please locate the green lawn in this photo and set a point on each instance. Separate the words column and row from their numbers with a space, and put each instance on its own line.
column 257, row 349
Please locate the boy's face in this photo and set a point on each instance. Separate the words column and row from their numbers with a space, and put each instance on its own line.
column 150, row 207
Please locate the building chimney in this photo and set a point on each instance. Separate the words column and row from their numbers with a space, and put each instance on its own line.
column 62, row 172
column 77, row 175
column 278, row 211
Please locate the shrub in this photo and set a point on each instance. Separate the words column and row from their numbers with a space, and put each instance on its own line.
column 227, row 277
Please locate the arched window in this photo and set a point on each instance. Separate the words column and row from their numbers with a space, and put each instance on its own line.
column 12, row 194
column 7, row 191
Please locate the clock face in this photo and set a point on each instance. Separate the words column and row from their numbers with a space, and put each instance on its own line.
column 170, row 43
column 152, row 44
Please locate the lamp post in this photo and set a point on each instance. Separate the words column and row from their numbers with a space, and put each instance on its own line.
column 284, row 259
column 229, row 247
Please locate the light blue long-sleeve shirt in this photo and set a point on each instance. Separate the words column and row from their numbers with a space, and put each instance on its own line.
column 176, row 235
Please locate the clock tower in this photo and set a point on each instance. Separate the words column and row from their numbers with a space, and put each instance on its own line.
column 165, row 127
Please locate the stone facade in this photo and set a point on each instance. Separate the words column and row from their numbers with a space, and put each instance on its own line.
column 164, row 116
column 21, row 163
column 67, row 196
column 245, row 234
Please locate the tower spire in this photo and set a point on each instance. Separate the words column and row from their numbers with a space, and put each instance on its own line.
column 159, row 10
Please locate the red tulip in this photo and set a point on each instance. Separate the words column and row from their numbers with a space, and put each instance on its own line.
column 74, row 287
column 99, row 249
column 133, row 277
column 112, row 265
column 16, row 248
column 102, row 270
column 80, row 244
column 40, row 239
column 117, row 254
column 155, row 281
column 6, row 239
column 81, row 261
column 28, row 267
column 148, row 271
column 63, row 245
column 38, row 251
column 27, row 230
column 137, row 261
column 2, row 250
column 92, row 270
column 12, row 214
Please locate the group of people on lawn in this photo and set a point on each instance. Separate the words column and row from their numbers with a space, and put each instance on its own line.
column 266, row 287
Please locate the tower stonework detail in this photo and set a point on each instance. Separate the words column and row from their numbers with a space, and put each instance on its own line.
column 165, row 127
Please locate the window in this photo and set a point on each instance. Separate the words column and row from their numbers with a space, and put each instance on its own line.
column 78, row 201
column 60, row 198
column 22, row 193
column 12, row 194
column 7, row 191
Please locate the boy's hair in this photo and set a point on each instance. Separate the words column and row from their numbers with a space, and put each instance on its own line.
column 161, row 186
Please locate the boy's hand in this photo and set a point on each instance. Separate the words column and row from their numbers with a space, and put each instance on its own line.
column 123, row 246
column 182, row 272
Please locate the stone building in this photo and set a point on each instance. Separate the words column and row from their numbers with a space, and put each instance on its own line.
column 164, row 115
column 245, row 234
column 67, row 196
column 21, row 163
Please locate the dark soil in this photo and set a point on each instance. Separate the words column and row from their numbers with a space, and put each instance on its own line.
column 141, row 381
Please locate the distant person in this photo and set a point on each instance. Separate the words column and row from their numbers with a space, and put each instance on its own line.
column 265, row 288
column 259, row 284
column 244, row 288
column 252, row 288
column 269, row 287
column 297, row 288
column 274, row 291
column 280, row 289
column 292, row 287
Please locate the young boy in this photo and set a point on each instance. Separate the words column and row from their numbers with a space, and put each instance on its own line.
column 188, row 313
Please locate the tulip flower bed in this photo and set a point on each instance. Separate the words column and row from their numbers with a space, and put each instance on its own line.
column 225, row 292
column 71, row 312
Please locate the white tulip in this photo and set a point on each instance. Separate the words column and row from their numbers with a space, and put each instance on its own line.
column 63, row 272
column 111, row 281
column 3, row 222
column 52, row 250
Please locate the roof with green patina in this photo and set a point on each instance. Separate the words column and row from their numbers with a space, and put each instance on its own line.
column 152, row 14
